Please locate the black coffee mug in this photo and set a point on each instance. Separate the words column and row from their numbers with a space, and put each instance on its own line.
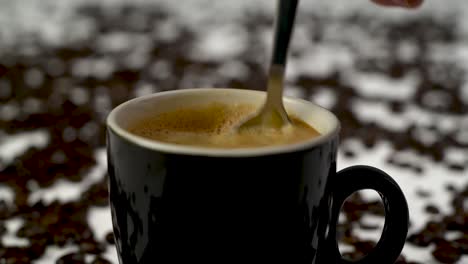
column 277, row 204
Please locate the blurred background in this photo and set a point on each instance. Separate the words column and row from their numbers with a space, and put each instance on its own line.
column 397, row 80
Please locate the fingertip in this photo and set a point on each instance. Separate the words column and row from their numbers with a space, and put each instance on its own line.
column 413, row 3
column 400, row 3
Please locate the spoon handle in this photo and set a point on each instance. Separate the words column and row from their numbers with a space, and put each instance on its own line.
column 286, row 13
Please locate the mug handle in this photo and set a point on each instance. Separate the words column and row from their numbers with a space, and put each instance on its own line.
column 395, row 230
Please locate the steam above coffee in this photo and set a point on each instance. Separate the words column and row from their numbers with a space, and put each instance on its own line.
column 212, row 125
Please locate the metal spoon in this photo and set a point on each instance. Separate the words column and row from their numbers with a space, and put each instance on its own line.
column 273, row 113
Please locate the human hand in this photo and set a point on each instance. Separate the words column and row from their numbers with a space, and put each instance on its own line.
column 401, row 3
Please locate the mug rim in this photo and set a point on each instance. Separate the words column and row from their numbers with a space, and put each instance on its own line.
column 171, row 148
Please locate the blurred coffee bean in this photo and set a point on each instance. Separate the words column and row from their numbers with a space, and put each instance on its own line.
column 72, row 258
column 110, row 238
column 447, row 253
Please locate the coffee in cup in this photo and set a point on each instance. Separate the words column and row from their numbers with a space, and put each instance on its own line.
column 214, row 125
